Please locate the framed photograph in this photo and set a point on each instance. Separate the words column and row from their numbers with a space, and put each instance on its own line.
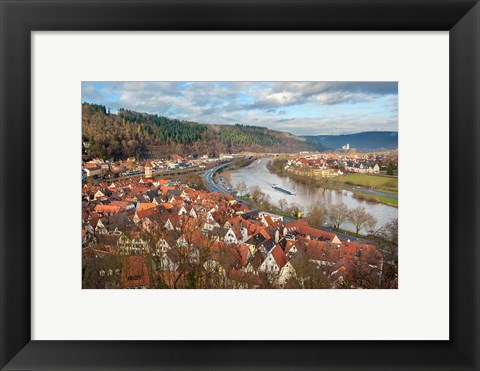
column 272, row 177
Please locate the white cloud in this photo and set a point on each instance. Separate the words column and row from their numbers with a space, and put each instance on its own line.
column 299, row 107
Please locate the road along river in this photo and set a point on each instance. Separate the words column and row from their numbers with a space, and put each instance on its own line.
column 257, row 174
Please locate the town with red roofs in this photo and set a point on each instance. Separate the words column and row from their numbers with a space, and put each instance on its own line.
column 143, row 232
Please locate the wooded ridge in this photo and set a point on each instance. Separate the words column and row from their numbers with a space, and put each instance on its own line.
column 143, row 135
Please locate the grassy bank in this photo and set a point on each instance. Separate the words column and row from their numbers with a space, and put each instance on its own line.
column 376, row 198
column 277, row 166
column 378, row 182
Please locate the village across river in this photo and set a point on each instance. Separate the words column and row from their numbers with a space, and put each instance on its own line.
column 257, row 174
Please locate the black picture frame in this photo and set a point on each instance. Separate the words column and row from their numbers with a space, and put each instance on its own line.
column 18, row 18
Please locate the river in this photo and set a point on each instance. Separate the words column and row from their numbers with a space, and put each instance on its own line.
column 257, row 174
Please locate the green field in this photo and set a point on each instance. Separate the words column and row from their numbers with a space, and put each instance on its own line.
column 381, row 183
column 388, row 200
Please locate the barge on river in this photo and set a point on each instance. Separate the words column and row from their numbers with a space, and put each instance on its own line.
column 278, row 188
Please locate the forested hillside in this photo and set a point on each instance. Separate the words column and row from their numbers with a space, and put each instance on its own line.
column 143, row 135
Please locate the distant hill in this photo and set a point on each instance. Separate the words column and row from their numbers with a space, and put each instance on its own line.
column 144, row 135
column 366, row 141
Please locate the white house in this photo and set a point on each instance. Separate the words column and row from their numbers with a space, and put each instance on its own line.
column 286, row 273
column 100, row 228
column 162, row 246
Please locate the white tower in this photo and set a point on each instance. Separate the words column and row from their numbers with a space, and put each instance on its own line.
column 148, row 169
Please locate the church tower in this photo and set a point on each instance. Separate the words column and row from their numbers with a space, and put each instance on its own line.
column 148, row 169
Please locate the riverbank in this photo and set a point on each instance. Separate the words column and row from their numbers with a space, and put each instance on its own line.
column 382, row 183
column 269, row 207
column 255, row 199
column 370, row 188
column 224, row 174
column 256, row 178
column 376, row 198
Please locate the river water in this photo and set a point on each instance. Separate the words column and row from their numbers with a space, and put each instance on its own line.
column 257, row 174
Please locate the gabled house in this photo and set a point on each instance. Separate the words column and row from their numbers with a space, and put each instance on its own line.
column 169, row 225
column 182, row 211
column 88, row 239
column 267, row 246
column 169, row 261
column 254, row 242
column 254, row 263
column 100, row 228
column 162, row 246
column 124, row 245
column 274, row 261
column 303, row 229
column 286, row 273
column 229, row 237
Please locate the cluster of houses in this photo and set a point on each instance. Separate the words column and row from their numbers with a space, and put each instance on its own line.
column 332, row 165
column 147, row 233
column 316, row 165
column 98, row 168
column 362, row 167
column 368, row 163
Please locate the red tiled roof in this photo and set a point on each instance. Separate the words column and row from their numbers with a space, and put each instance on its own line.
column 146, row 212
column 304, row 228
column 107, row 209
column 163, row 181
column 146, row 205
column 244, row 277
column 288, row 245
column 334, row 252
column 137, row 272
column 279, row 256
column 270, row 221
column 122, row 204
column 265, row 234
column 244, row 251
column 164, row 189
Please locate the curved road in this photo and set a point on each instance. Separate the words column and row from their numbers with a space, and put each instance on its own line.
column 210, row 183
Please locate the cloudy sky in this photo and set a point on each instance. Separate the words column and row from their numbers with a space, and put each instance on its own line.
column 298, row 107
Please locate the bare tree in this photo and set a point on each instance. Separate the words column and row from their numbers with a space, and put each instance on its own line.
column 338, row 213
column 389, row 246
column 226, row 174
column 309, row 275
column 282, row 203
column 389, row 231
column 255, row 193
column 317, row 214
column 295, row 209
column 361, row 219
column 265, row 199
column 241, row 188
